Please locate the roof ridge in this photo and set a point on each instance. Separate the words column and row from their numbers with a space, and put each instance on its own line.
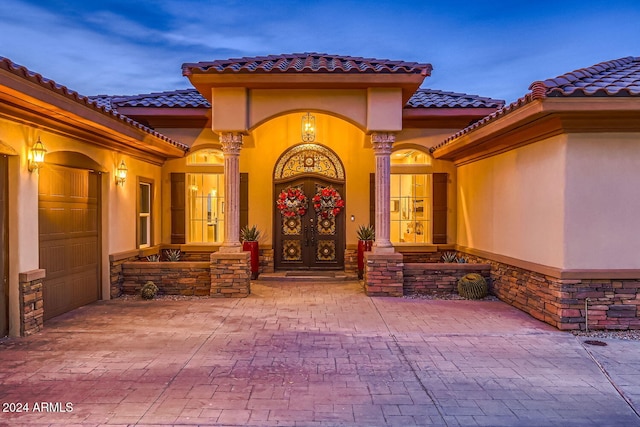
column 305, row 62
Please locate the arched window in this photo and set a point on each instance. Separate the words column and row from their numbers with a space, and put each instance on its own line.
column 411, row 196
column 206, row 157
column 410, row 157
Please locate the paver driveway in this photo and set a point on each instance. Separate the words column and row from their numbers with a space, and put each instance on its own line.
column 299, row 354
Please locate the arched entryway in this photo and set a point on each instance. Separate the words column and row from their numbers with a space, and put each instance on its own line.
column 309, row 215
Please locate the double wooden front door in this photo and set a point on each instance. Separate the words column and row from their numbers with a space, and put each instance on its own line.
column 311, row 240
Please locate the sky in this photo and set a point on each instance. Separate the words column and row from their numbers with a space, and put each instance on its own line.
column 490, row 48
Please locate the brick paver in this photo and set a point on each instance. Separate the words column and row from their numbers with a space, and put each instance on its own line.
column 323, row 354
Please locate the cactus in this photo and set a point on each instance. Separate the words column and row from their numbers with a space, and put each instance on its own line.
column 472, row 286
column 172, row 254
column 449, row 257
column 250, row 234
column 153, row 258
column 149, row 290
column 366, row 233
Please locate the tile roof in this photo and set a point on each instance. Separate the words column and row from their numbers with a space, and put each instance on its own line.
column 184, row 98
column 423, row 98
column 431, row 98
column 23, row 72
column 620, row 77
column 309, row 62
column 616, row 78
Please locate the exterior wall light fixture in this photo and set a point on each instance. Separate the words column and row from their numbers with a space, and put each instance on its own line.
column 308, row 128
column 37, row 156
column 121, row 173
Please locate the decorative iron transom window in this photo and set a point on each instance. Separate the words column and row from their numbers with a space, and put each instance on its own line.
column 309, row 158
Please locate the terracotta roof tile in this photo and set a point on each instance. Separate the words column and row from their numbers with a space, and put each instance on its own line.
column 423, row 98
column 431, row 98
column 306, row 63
column 620, row 77
column 185, row 98
column 617, row 78
column 102, row 106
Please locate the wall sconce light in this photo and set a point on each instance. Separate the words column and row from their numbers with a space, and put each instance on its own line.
column 37, row 156
column 121, row 173
column 308, row 128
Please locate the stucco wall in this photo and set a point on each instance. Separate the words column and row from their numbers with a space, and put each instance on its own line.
column 118, row 203
column 602, row 201
column 513, row 203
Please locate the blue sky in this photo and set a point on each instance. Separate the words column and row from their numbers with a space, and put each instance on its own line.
column 489, row 48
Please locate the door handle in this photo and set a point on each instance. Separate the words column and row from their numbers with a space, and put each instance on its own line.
column 313, row 233
column 306, row 235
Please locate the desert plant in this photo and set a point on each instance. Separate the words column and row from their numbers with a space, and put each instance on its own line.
column 366, row 232
column 472, row 286
column 461, row 260
column 149, row 290
column 153, row 258
column 172, row 254
column 249, row 234
column 449, row 257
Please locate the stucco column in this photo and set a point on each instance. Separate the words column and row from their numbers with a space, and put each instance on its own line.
column 381, row 142
column 231, row 144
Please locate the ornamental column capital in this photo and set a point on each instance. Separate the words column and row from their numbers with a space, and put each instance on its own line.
column 231, row 143
column 382, row 142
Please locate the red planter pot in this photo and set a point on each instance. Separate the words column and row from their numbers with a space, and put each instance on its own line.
column 252, row 247
column 363, row 246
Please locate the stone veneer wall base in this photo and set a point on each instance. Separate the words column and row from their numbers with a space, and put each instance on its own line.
column 230, row 274
column 383, row 274
column 613, row 304
column 31, row 302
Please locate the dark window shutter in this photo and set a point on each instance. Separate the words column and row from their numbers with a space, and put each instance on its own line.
column 372, row 199
column 178, row 202
column 244, row 200
column 440, row 208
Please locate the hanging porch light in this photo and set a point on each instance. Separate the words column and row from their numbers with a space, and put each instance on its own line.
column 308, row 128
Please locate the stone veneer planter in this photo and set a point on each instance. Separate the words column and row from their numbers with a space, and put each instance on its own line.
column 438, row 278
column 171, row 278
column 614, row 304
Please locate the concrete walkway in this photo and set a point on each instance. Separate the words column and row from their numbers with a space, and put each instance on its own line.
column 299, row 354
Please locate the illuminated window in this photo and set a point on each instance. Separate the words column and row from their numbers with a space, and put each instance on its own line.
column 144, row 215
column 206, row 157
column 205, row 195
column 411, row 208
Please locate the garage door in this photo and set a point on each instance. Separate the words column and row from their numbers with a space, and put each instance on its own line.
column 69, row 238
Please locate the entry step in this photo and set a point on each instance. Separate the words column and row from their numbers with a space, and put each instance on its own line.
column 307, row 276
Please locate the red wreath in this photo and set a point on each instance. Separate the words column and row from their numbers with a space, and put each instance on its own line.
column 328, row 202
column 292, row 202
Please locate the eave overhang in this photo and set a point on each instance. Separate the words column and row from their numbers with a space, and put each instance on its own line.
column 443, row 117
column 541, row 119
column 169, row 117
column 32, row 100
